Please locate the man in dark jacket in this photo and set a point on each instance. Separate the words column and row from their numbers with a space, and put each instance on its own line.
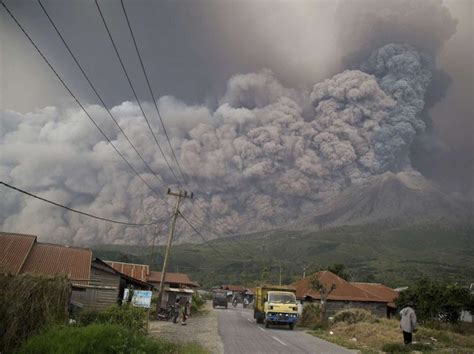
column 408, row 322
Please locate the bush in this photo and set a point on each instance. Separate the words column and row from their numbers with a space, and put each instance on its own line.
column 354, row 316
column 131, row 318
column 28, row 304
column 87, row 317
column 436, row 301
column 197, row 303
column 95, row 338
column 311, row 316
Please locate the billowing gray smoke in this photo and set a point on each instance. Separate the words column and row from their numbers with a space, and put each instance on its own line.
column 266, row 155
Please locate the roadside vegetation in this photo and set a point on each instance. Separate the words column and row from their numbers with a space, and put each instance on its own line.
column 370, row 335
column 101, row 338
column 34, row 319
column 28, row 304
column 438, row 308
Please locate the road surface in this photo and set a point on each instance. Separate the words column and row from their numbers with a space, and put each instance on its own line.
column 241, row 334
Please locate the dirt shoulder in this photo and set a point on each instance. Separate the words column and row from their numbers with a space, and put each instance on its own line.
column 201, row 328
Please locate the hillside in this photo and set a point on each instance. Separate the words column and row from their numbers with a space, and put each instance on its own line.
column 404, row 197
column 390, row 253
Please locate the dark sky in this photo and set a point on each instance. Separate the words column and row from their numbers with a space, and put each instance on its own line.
column 191, row 48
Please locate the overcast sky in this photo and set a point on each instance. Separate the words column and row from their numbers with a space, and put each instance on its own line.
column 191, row 48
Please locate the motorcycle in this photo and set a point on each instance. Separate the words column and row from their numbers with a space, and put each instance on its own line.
column 169, row 313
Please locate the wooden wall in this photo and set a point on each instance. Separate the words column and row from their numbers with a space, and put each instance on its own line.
column 102, row 291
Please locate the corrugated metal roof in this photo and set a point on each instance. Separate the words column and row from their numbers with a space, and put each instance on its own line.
column 344, row 291
column 14, row 249
column 137, row 271
column 172, row 278
column 50, row 259
column 384, row 292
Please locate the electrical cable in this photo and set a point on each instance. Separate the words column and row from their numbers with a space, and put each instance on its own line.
column 203, row 238
column 133, row 90
column 96, row 92
column 76, row 99
column 152, row 93
column 75, row 210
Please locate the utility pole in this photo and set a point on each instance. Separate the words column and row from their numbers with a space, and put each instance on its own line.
column 180, row 195
column 304, row 271
column 279, row 264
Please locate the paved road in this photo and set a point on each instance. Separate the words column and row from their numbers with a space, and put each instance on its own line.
column 241, row 334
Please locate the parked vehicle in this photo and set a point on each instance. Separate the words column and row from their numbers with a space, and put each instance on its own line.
column 220, row 299
column 276, row 304
column 172, row 312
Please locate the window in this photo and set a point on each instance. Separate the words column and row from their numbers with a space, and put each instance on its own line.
column 282, row 298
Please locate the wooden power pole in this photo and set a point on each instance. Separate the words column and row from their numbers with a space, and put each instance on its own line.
column 180, row 195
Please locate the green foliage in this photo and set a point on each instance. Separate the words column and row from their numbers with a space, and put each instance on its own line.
column 130, row 318
column 28, row 304
column 311, row 316
column 401, row 348
column 436, row 301
column 354, row 316
column 340, row 270
column 99, row 338
column 197, row 303
column 389, row 253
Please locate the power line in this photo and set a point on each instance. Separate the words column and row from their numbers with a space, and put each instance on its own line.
column 96, row 92
column 133, row 90
column 75, row 98
column 74, row 210
column 151, row 92
column 202, row 237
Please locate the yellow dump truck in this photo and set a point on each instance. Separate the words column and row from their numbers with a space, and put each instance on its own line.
column 276, row 304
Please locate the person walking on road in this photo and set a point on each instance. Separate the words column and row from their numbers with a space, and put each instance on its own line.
column 408, row 322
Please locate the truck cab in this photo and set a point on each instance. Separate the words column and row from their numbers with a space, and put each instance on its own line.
column 276, row 305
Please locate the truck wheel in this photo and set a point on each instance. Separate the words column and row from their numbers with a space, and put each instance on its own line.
column 267, row 324
column 292, row 325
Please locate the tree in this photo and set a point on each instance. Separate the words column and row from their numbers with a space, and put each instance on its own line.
column 340, row 270
column 436, row 301
column 323, row 291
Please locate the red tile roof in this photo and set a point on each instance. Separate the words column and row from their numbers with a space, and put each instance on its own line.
column 384, row 292
column 344, row 291
column 177, row 278
column 14, row 249
column 137, row 271
column 50, row 259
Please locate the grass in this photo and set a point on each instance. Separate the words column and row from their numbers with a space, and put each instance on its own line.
column 101, row 338
column 385, row 335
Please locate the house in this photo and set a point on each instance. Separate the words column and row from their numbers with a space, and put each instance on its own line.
column 173, row 280
column 106, row 287
column 176, row 285
column 233, row 291
column 376, row 298
column 95, row 284
column 22, row 254
column 137, row 271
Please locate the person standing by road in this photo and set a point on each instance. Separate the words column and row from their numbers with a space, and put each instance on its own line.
column 185, row 311
column 408, row 322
